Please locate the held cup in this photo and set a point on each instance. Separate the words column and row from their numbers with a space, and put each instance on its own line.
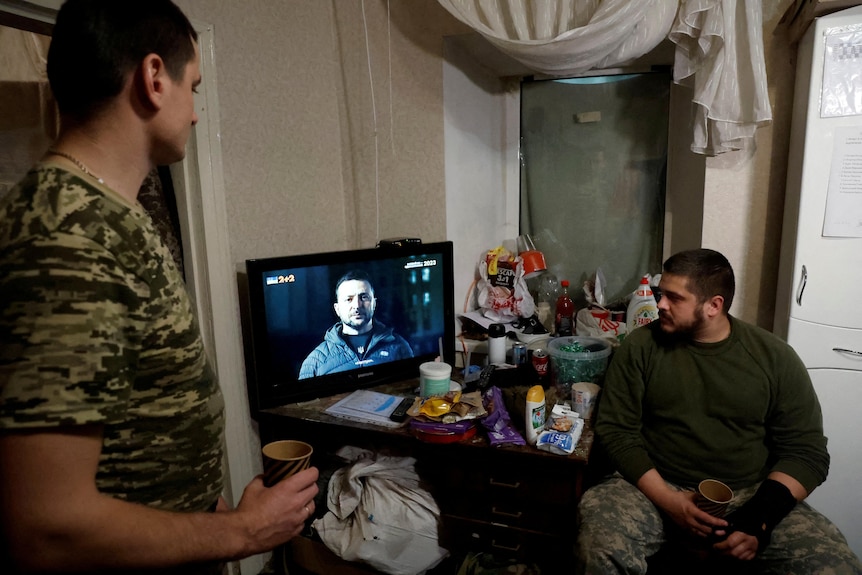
column 713, row 496
column 281, row 459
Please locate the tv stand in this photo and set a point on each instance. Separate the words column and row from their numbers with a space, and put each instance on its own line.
column 512, row 501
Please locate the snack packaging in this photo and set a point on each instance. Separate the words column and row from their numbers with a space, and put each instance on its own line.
column 502, row 292
column 497, row 423
column 562, row 431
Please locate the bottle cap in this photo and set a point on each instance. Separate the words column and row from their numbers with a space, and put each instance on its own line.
column 564, row 283
column 496, row 330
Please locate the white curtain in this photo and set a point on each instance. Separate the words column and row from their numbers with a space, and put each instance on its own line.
column 719, row 50
column 28, row 119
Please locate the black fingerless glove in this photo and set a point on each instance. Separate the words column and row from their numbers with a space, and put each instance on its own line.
column 759, row 515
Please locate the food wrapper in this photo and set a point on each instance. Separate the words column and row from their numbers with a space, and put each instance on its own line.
column 450, row 408
column 497, row 423
column 501, row 289
column 562, row 431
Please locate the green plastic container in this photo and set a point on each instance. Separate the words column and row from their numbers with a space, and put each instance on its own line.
column 588, row 361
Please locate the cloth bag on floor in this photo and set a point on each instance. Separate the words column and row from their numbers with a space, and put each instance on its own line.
column 379, row 515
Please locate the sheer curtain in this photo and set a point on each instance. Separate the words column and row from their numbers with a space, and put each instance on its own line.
column 719, row 50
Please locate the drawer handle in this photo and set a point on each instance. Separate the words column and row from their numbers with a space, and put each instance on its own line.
column 516, row 515
column 514, row 485
column 850, row 351
column 514, row 549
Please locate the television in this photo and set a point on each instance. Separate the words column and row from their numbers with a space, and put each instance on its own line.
column 292, row 310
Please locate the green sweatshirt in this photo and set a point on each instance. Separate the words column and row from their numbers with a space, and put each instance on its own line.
column 734, row 410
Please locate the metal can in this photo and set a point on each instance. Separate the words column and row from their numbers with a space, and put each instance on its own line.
column 540, row 362
column 519, row 353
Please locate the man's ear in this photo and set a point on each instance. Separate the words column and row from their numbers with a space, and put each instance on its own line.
column 153, row 77
column 714, row 306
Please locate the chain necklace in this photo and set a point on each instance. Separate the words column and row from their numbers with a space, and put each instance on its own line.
column 78, row 163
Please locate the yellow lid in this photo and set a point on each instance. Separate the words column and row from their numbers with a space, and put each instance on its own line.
column 536, row 393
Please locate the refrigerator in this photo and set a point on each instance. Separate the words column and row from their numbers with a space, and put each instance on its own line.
column 819, row 297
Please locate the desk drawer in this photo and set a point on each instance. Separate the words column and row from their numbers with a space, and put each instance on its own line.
column 512, row 511
column 553, row 488
column 465, row 534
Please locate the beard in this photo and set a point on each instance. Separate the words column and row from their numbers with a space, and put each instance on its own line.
column 682, row 329
column 360, row 323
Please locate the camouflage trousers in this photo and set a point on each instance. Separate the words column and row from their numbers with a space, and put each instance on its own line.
column 619, row 528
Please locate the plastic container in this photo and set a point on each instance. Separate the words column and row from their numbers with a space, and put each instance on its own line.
column 642, row 307
column 588, row 361
column 434, row 378
column 535, row 413
column 565, row 318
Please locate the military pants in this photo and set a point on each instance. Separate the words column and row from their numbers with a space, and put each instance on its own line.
column 619, row 528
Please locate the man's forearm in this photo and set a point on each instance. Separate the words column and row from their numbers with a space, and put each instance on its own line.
column 107, row 533
column 655, row 488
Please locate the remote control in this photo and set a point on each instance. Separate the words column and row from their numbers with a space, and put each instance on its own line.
column 400, row 413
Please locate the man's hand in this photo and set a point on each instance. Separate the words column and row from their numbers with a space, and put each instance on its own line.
column 751, row 525
column 738, row 545
column 679, row 505
column 278, row 513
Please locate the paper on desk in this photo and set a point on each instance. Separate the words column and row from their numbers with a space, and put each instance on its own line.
column 367, row 406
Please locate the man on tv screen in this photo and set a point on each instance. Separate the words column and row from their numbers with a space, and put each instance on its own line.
column 356, row 339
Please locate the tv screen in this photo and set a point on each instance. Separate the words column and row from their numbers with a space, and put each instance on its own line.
column 332, row 322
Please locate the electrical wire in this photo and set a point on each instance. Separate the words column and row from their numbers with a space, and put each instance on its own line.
column 374, row 123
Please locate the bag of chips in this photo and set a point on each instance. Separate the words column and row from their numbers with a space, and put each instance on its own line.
column 502, row 291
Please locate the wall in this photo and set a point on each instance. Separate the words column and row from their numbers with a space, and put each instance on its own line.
column 313, row 145
column 744, row 192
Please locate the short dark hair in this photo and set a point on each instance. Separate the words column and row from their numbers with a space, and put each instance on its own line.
column 354, row 275
column 708, row 272
column 96, row 43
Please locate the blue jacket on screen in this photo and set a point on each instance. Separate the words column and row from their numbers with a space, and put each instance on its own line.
column 334, row 354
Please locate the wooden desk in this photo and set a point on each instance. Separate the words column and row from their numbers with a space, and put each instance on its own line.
column 515, row 501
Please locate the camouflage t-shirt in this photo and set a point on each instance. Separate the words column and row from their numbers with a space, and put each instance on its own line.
column 96, row 327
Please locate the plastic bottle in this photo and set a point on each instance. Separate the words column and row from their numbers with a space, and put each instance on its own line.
column 535, row 413
column 642, row 307
column 497, row 343
column 565, row 321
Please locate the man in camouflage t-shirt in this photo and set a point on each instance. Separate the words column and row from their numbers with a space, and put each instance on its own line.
column 97, row 329
column 111, row 419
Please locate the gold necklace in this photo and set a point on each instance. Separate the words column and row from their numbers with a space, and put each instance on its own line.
column 78, row 163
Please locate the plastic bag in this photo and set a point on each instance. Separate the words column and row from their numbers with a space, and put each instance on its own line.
column 502, row 291
column 588, row 324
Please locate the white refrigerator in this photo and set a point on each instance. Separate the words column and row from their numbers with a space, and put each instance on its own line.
column 819, row 298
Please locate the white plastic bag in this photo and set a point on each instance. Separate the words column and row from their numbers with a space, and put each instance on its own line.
column 502, row 291
column 588, row 325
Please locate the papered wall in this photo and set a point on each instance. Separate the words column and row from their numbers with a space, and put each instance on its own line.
column 315, row 148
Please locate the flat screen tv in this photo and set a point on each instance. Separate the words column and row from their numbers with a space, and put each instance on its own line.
column 397, row 305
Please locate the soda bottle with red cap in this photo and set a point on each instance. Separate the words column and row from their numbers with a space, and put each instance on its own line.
column 565, row 320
